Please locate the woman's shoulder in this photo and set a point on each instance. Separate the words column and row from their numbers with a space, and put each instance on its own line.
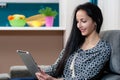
column 104, row 42
column 104, row 45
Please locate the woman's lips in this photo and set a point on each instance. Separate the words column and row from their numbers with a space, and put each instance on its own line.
column 82, row 30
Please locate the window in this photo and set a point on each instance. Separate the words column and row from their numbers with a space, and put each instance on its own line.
column 94, row 1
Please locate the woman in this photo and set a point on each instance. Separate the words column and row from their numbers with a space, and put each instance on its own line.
column 85, row 53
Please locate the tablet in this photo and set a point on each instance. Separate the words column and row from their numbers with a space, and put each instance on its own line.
column 29, row 62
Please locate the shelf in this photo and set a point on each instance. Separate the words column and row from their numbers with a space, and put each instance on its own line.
column 34, row 28
column 30, row 1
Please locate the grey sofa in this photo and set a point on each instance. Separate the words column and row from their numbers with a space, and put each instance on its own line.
column 111, row 70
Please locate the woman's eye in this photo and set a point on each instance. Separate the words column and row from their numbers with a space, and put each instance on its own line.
column 84, row 21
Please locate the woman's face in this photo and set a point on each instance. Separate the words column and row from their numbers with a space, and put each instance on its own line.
column 85, row 23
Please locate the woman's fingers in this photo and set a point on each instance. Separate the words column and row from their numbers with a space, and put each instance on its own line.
column 42, row 72
column 41, row 75
column 38, row 76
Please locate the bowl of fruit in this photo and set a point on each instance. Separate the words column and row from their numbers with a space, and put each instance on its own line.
column 17, row 20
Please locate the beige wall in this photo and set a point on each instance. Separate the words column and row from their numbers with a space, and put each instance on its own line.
column 44, row 46
column 111, row 14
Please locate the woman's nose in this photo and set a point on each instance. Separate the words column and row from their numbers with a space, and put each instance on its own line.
column 79, row 24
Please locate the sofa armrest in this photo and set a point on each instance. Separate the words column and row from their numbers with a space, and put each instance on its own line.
column 19, row 72
column 4, row 76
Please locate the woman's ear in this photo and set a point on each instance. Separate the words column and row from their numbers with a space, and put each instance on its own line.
column 95, row 24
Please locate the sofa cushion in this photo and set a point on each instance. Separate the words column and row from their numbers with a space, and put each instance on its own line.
column 113, row 37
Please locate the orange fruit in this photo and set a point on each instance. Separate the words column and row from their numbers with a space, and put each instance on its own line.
column 10, row 17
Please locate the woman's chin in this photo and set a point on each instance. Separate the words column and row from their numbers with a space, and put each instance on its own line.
column 83, row 34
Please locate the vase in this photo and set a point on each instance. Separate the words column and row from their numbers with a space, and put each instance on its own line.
column 49, row 21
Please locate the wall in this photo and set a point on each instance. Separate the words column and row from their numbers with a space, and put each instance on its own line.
column 44, row 46
column 111, row 14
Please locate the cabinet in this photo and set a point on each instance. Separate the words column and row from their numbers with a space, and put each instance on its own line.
column 44, row 43
column 32, row 29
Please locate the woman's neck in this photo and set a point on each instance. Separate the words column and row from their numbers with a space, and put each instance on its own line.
column 91, row 41
column 92, row 38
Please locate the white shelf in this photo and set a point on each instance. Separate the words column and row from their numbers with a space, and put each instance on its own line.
column 30, row 1
column 34, row 28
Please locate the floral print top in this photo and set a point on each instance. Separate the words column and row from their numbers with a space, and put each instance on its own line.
column 86, row 63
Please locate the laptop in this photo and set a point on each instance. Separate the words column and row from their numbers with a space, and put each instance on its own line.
column 29, row 62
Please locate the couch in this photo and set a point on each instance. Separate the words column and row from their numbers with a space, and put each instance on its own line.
column 111, row 71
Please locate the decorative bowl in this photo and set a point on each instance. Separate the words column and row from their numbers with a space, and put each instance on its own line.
column 36, row 20
column 17, row 20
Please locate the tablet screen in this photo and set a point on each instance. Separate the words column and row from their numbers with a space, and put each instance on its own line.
column 29, row 62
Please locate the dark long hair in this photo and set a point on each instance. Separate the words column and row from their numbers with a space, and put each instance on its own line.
column 76, row 39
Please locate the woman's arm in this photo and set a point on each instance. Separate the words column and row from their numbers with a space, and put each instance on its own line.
column 50, row 69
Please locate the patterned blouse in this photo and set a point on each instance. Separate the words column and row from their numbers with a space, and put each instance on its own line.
column 83, row 64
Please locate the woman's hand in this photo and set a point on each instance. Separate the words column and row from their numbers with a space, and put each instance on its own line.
column 43, row 76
